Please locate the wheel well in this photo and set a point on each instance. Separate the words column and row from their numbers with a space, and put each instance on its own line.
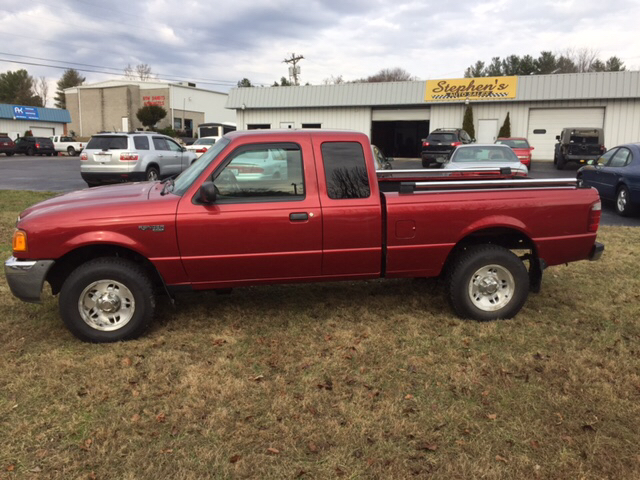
column 153, row 165
column 72, row 260
column 508, row 238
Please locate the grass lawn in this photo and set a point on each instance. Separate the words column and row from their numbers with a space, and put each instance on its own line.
column 342, row 380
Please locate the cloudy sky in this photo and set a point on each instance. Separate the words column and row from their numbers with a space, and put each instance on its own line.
column 217, row 43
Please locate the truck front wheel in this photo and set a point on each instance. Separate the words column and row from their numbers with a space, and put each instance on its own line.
column 488, row 282
column 107, row 300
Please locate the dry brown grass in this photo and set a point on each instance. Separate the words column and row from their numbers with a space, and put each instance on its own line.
column 354, row 380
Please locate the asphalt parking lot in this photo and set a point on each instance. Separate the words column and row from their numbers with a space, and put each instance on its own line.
column 62, row 174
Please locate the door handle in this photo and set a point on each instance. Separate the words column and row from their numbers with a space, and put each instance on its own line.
column 298, row 217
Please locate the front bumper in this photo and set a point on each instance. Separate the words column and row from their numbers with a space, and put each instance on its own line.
column 26, row 277
column 596, row 251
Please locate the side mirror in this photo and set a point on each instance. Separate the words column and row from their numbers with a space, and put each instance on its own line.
column 208, row 193
column 558, row 137
column 390, row 159
column 532, row 148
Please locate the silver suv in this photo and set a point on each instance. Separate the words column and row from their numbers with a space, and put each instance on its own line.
column 135, row 156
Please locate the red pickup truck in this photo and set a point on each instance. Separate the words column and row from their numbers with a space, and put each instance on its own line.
column 289, row 206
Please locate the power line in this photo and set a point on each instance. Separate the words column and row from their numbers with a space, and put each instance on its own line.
column 61, row 67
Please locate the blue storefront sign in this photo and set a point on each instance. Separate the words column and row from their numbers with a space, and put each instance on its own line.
column 25, row 113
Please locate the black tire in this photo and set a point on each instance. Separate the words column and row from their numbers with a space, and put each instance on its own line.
column 623, row 202
column 9, row 154
column 152, row 174
column 30, row 152
column 72, row 152
column 50, row 154
column 487, row 282
column 127, row 297
column 560, row 163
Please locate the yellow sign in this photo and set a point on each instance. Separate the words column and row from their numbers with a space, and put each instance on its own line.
column 479, row 88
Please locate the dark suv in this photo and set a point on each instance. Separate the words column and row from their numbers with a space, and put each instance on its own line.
column 579, row 145
column 35, row 146
column 440, row 144
column 6, row 145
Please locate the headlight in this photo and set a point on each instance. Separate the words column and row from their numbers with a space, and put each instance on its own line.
column 19, row 242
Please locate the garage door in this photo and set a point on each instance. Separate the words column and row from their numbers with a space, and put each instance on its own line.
column 42, row 131
column 546, row 123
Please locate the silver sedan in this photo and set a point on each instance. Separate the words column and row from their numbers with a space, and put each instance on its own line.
column 490, row 155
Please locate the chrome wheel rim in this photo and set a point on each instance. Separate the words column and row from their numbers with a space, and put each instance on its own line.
column 106, row 305
column 491, row 288
column 622, row 200
column 152, row 175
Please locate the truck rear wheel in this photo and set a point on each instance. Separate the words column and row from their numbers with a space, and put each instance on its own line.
column 488, row 282
column 71, row 151
column 107, row 300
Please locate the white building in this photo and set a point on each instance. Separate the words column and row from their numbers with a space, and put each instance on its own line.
column 397, row 115
column 112, row 106
column 15, row 120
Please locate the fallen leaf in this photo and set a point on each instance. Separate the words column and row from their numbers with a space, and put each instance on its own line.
column 126, row 362
column 273, row 451
column 257, row 378
column 588, row 428
column 428, row 446
column 135, row 393
column 35, row 470
column 313, row 448
column 300, row 473
column 161, row 417
column 535, row 444
column 92, row 476
column 135, row 417
column 168, row 450
column 501, row 459
column 218, row 342
column 235, row 458
column 492, row 416
column 11, row 468
column 88, row 442
column 485, row 393
column 408, row 396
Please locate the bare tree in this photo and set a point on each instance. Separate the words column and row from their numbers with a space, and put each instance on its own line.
column 140, row 72
column 333, row 80
column 41, row 89
column 391, row 75
column 584, row 58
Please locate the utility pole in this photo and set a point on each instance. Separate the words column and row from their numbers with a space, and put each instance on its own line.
column 294, row 71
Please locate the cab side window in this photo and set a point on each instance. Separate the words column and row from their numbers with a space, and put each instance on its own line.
column 345, row 170
column 262, row 173
column 606, row 157
column 141, row 142
column 173, row 146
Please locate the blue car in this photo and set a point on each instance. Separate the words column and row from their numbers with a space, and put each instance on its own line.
column 616, row 176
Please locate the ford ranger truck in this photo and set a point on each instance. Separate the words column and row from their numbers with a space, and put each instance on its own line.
column 227, row 222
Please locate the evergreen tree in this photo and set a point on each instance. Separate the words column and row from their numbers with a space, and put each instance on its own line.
column 70, row 78
column 467, row 122
column 505, row 129
column 18, row 88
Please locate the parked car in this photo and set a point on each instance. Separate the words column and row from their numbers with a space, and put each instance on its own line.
column 616, row 176
column 201, row 145
column 109, row 251
column 68, row 145
column 122, row 157
column 579, row 145
column 440, row 144
column 381, row 160
column 520, row 147
column 35, row 146
column 489, row 155
column 7, row 146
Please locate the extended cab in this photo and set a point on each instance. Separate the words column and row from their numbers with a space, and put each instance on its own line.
column 67, row 145
column 228, row 222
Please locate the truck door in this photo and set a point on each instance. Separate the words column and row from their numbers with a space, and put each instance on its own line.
column 351, row 209
column 265, row 224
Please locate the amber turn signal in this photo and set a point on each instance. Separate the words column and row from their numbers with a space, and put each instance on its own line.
column 19, row 241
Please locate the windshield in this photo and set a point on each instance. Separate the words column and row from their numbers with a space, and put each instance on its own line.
column 488, row 154
column 514, row 142
column 205, row 141
column 186, row 178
